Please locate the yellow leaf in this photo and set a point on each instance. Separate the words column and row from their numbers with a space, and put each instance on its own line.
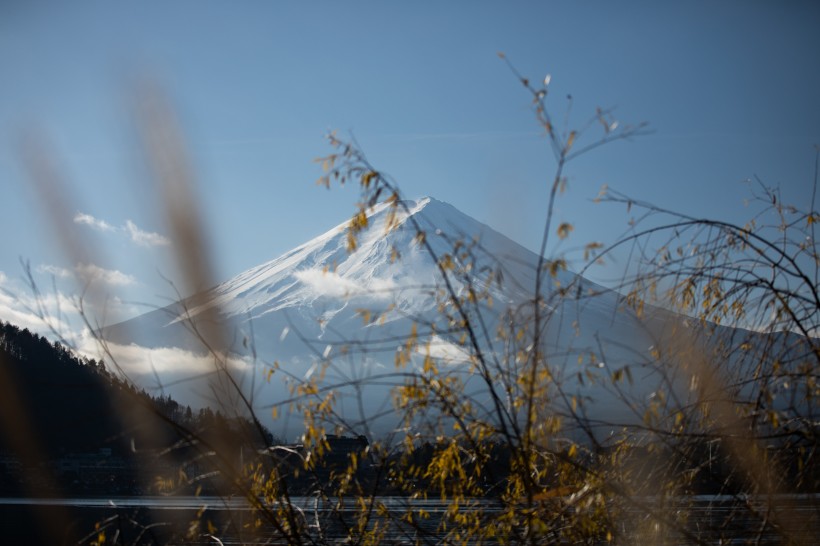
column 557, row 265
column 367, row 178
column 365, row 313
column 564, row 230
column 591, row 248
column 570, row 141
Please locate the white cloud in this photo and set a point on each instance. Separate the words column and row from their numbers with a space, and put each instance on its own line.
column 135, row 360
column 54, row 302
column 329, row 283
column 54, row 270
column 52, row 311
column 91, row 273
column 135, row 234
column 24, row 313
column 96, row 304
column 118, row 310
column 444, row 351
column 145, row 238
column 88, row 220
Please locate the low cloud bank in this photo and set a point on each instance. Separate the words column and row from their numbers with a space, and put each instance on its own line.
column 136, row 361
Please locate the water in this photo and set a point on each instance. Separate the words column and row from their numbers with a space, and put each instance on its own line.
column 184, row 520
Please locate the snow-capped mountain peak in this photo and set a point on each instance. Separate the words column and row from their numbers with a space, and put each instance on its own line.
column 322, row 291
column 308, row 309
column 385, row 262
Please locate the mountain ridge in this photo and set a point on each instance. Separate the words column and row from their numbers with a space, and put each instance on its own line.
column 326, row 305
column 323, row 268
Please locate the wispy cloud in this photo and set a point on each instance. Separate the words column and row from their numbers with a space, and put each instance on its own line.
column 87, row 272
column 50, row 312
column 44, row 315
column 95, row 273
column 135, row 234
column 12, row 311
column 329, row 283
column 145, row 238
column 88, row 220
column 54, row 270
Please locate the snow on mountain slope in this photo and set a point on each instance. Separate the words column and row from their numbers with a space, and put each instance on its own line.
column 323, row 268
column 321, row 278
column 306, row 307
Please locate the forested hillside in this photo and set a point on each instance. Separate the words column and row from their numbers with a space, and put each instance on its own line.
column 70, row 425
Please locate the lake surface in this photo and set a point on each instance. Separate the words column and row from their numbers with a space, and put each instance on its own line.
column 159, row 520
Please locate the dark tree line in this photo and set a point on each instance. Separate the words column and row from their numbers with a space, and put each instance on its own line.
column 57, row 405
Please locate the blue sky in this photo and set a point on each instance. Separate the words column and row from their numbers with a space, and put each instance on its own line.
column 731, row 91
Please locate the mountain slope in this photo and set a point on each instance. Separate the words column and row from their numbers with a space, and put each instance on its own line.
column 322, row 307
column 321, row 278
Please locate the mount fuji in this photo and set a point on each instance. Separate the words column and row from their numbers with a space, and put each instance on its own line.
column 328, row 308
